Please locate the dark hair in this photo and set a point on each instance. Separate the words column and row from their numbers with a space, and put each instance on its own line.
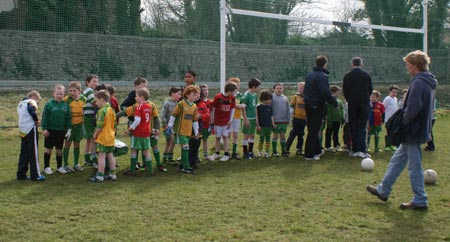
column 174, row 90
column 100, row 87
column 278, row 84
column 102, row 94
column 254, row 82
column 192, row 73
column 393, row 87
column 357, row 61
column 265, row 95
column 334, row 89
column 139, row 80
column 321, row 60
column 230, row 87
column 89, row 78
column 111, row 89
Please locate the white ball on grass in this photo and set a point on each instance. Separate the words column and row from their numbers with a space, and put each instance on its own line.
column 367, row 164
column 430, row 176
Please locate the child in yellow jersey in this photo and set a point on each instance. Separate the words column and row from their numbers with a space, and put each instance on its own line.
column 104, row 136
column 183, row 122
column 76, row 102
column 299, row 120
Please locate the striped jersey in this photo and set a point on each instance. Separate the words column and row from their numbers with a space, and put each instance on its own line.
column 90, row 99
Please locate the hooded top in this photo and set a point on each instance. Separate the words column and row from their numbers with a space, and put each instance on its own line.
column 317, row 88
column 418, row 108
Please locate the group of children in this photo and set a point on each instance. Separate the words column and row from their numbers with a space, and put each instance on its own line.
column 187, row 118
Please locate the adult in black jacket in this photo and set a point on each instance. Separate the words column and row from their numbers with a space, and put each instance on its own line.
column 357, row 89
column 316, row 95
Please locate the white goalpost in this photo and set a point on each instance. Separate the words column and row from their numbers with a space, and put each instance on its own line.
column 225, row 9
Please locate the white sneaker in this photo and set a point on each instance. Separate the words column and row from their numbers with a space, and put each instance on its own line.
column 112, row 177
column 260, row 154
column 338, row 148
column 322, row 152
column 48, row 170
column 214, row 157
column 62, row 170
column 314, row 158
column 225, row 158
column 68, row 169
column 361, row 154
column 329, row 149
column 266, row 155
column 77, row 168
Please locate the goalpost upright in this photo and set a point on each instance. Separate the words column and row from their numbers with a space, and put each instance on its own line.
column 224, row 10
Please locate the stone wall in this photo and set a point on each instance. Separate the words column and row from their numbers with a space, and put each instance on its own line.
column 67, row 56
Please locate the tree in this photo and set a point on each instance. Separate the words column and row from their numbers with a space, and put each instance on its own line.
column 406, row 13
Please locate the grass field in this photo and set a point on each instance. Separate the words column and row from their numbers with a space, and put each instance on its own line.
column 282, row 199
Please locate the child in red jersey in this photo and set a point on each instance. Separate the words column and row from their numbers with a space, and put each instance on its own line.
column 222, row 115
column 140, row 128
column 376, row 117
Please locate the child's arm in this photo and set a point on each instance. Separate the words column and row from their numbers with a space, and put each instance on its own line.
column 258, row 128
column 273, row 121
column 231, row 117
column 212, row 115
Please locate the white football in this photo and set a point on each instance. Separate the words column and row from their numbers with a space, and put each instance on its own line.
column 430, row 176
column 367, row 164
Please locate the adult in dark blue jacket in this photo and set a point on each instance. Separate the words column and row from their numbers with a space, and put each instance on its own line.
column 418, row 109
column 357, row 88
column 316, row 95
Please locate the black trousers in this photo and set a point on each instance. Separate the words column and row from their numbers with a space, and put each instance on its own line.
column 332, row 131
column 298, row 130
column 314, row 117
column 29, row 156
column 358, row 116
column 194, row 146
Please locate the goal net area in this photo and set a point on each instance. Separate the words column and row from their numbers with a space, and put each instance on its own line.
column 162, row 39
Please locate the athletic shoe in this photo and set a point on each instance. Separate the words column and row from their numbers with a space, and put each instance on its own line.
column 299, row 152
column 162, row 168
column 68, row 169
column 314, row 158
column 225, row 158
column 322, row 152
column 130, row 172
column 266, row 155
column 235, row 156
column 275, row 155
column 39, row 178
column 251, row 155
column 285, row 154
column 48, row 170
column 97, row 179
column 172, row 162
column 247, row 156
column 338, row 148
column 329, row 149
column 78, row 168
column 260, row 154
column 214, row 157
column 62, row 170
column 361, row 154
column 187, row 171
column 89, row 163
column 112, row 177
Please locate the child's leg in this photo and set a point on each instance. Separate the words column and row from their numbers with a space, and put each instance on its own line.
column 148, row 160
column 185, row 156
column 112, row 163
column 217, row 144
column 267, row 138
column 251, row 141
column 274, row 142
column 245, row 144
column 261, row 142
column 87, row 151
column 155, row 149
column 47, row 155
column 225, row 144
column 235, row 141
column 336, row 126
column 133, row 159
column 59, row 158
column 283, row 141
column 93, row 151
column 66, row 149
column 205, row 147
column 76, row 153
column 101, row 164
column 328, row 134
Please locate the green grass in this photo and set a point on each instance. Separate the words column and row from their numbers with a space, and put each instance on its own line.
column 283, row 199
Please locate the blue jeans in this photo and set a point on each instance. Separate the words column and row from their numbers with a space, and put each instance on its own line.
column 411, row 155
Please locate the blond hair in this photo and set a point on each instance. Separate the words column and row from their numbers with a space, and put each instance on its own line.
column 419, row 59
